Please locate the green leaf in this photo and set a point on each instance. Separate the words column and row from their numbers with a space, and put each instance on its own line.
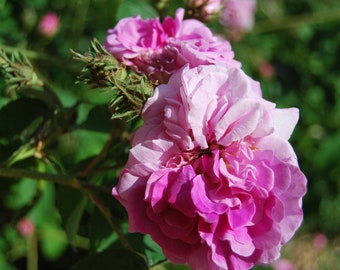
column 3, row 101
column 95, row 97
column 46, row 217
column 53, row 241
column 101, row 234
column 131, row 8
column 170, row 266
column 173, row 6
column 73, row 222
column 262, row 268
column 153, row 251
column 21, row 194
column 328, row 154
column 44, row 211
column 98, row 119
column 119, row 259
column 66, row 198
column 20, row 120
column 81, row 144
column 17, row 116
column 4, row 265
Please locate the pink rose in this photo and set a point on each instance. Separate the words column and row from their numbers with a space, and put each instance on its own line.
column 136, row 38
column 211, row 175
column 239, row 14
column 158, row 49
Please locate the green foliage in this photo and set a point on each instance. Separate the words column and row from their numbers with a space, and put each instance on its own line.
column 130, row 8
column 169, row 266
column 117, row 258
column 61, row 152
column 21, row 193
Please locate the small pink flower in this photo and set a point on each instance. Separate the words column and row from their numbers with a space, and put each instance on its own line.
column 211, row 175
column 25, row 227
column 159, row 49
column 239, row 14
column 320, row 241
column 49, row 24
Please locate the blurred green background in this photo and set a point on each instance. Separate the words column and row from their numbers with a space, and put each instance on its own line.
column 293, row 50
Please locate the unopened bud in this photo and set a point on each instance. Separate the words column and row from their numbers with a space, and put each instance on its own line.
column 102, row 70
column 25, row 227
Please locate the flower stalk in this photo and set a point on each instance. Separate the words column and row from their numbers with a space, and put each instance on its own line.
column 18, row 71
column 103, row 71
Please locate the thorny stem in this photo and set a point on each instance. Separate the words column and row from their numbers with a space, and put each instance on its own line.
column 102, row 70
column 61, row 179
column 106, row 213
column 100, row 156
column 74, row 183
column 49, row 98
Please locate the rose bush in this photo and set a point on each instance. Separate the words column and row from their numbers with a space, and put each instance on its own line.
column 158, row 49
column 211, row 175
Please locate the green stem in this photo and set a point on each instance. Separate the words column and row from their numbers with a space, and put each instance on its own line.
column 101, row 155
column 74, row 183
column 107, row 215
column 296, row 21
column 32, row 252
column 48, row 96
column 65, row 180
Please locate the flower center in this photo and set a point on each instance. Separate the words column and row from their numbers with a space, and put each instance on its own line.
column 240, row 151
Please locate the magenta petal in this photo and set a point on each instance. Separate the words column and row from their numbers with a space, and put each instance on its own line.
column 167, row 221
column 241, row 217
column 155, row 190
column 203, row 203
column 179, row 192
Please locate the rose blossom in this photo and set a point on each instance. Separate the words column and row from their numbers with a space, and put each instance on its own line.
column 158, row 49
column 211, row 176
column 239, row 14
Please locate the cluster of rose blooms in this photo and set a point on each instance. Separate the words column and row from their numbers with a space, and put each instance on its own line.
column 211, row 175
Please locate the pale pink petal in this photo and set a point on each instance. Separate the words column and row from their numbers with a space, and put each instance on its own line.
column 285, row 121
